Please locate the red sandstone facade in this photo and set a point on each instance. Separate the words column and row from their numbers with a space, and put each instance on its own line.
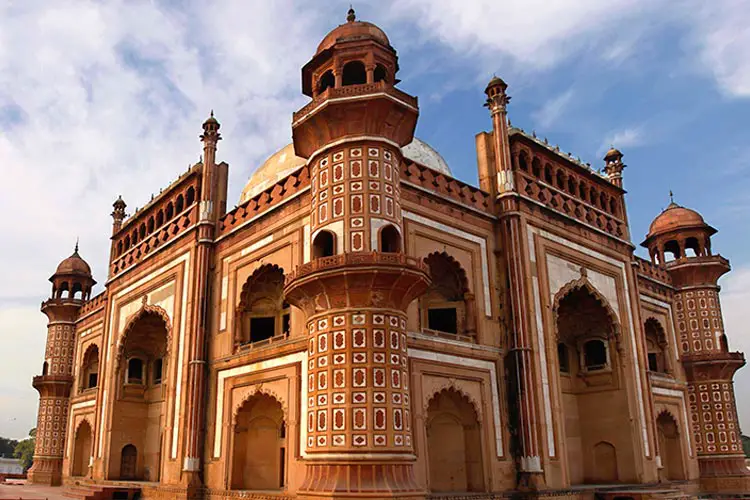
column 363, row 325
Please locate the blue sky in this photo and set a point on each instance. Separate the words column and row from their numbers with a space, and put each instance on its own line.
column 99, row 99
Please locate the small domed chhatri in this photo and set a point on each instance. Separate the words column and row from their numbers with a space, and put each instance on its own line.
column 353, row 30
column 74, row 265
column 675, row 217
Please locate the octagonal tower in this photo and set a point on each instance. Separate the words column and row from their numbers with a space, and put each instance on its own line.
column 358, row 283
column 71, row 286
column 680, row 240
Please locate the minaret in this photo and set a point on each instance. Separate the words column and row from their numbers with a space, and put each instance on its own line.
column 71, row 286
column 209, row 212
column 354, row 292
column 118, row 214
column 497, row 102
column 613, row 166
column 520, row 359
column 709, row 365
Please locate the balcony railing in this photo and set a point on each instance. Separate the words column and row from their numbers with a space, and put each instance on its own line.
column 354, row 259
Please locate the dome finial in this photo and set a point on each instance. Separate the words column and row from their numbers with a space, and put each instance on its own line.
column 350, row 15
column 76, row 249
column 671, row 196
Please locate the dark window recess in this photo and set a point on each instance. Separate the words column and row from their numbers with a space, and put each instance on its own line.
column 262, row 328
column 354, row 73
column 327, row 81
column 92, row 380
column 595, row 355
column 323, row 245
column 562, row 354
column 443, row 319
column 135, row 371
column 652, row 364
column 158, row 365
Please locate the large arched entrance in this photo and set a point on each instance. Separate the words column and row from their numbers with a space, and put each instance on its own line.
column 259, row 445
column 670, row 447
column 596, row 427
column 139, row 409
column 82, row 449
column 454, row 444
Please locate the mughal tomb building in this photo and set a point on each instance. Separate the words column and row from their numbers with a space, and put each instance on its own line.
column 364, row 325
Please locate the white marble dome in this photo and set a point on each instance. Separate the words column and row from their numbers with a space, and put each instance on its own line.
column 284, row 162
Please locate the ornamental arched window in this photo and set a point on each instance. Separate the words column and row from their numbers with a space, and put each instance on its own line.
column 390, row 239
column 447, row 305
column 656, row 347
column 89, row 373
column 327, row 81
column 262, row 313
column 324, row 244
column 380, row 74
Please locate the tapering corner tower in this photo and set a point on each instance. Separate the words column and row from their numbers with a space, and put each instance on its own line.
column 680, row 240
column 71, row 286
column 358, row 282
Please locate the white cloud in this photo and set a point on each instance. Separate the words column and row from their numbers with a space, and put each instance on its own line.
column 721, row 39
column 107, row 98
column 553, row 109
column 531, row 33
column 624, row 138
column 527, row 36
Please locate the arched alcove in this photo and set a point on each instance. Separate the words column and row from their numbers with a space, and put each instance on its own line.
column 259, row 445
column 136, row 435
column 670, row 447
column 454, row 444
column 593, row 399
column 82, row 449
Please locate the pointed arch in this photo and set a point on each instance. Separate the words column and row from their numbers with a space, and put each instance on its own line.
column 88, row 372
column 657, row 356
column 259, row 443
column 82, row 447
column 454, row 442
column 584, row 284
column 449, row 385
column 259, row 390
column 144, row 311
column 448, row 306
column 262, row 313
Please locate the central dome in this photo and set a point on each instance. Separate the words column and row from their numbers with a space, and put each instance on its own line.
column 284, row 162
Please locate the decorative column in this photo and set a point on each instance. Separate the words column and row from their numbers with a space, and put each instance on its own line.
column 356, row 406
column 520, row 349
column 56, row 381
column 196, row 369
column 613, row 166
column 358, row 416
column 710, row 368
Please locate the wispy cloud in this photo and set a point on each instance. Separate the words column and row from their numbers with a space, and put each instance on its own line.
column 625, row 138
column 553, row 109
